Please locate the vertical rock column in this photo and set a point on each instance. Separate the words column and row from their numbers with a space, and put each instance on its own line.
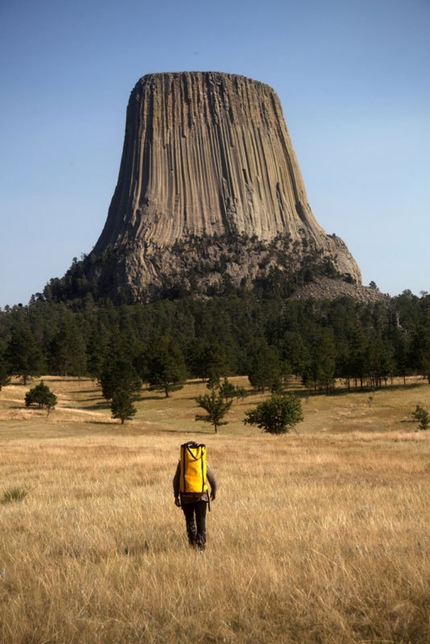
column 209, row 153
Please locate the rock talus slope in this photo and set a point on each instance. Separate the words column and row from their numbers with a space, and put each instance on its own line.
column 207, row 155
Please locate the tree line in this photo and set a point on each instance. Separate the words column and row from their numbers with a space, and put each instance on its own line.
column 268, row 339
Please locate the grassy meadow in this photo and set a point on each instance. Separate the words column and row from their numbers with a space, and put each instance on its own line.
column 321, row 535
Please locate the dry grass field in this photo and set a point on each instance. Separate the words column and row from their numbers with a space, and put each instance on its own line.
column 321, row 535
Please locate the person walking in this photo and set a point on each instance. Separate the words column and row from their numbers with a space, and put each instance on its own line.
column 194, row 507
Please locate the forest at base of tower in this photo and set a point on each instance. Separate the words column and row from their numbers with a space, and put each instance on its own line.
column 325, row 344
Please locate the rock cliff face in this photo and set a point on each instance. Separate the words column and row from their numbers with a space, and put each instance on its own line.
column 208, row 162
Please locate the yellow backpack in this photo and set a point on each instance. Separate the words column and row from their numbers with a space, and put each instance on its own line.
column 193, row 468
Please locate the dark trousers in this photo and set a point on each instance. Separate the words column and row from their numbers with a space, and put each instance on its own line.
column 195, row 518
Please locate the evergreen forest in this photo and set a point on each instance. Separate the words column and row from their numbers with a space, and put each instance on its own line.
column 327, row 345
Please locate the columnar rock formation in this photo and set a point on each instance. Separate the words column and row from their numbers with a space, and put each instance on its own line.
column 207, row 156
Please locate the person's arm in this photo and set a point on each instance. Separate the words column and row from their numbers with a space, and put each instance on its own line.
column 176, row 486
column 212, row 482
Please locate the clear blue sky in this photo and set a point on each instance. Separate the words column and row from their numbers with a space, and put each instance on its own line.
column 352, row 75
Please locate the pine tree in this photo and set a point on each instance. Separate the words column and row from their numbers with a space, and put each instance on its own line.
column 216, row 408
column 23, row 355
column 4, row 376
column 165, row 364
column 67, row 349
column 422, row 416
column 276, row 414
column 42, row 396
column 265, row 368
column 227, row 390
column 122, row 405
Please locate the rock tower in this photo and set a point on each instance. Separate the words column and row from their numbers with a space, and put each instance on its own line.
column 209, row 190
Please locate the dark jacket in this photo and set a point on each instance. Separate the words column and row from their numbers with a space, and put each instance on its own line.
column 190, row 498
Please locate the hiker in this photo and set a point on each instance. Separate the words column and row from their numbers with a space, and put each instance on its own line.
column 194, row 505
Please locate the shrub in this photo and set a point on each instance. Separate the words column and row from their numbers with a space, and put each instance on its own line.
column 276, row 414
column 422, row 416
column 41, row 396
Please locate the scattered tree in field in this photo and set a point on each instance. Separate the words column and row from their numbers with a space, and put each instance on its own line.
column 213, row 382
column 216, row 408
column 23, row 355
column 4, row 376
column 276, row 414
column 122, row 405
column 166, row 367
column 277, row 387
column 422, row 416
column 240, row 392
column 119, row 374
column 41, row 396
column 120, row 384
column 227, row 390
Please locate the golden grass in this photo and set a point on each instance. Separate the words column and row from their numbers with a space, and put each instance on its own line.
column 318, row 536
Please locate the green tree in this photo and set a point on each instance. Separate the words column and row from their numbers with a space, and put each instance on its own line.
column 165, row 365
column 379, row 363
column 41, row 396
column 276, row 414
column 295, row 351
column 96, row 354
column 420, row 350
column 67, row 349
column 422, row 416
column 213, row 382
column 319, row 373
column 227, row 390
column 122, row 405
column 400, row 343
column 119, row 374
column 216, row 408
column 356, row 368
column 4, row 376
column 207, row 360
column 277, row 387
column 265, row 367
column 23, row 355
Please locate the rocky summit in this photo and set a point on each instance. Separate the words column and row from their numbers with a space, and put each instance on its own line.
column 210, row 194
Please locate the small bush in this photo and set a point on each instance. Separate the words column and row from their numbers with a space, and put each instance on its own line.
column 422, row 416
column 42, row 396
column 276, row 414
column 13, row 495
